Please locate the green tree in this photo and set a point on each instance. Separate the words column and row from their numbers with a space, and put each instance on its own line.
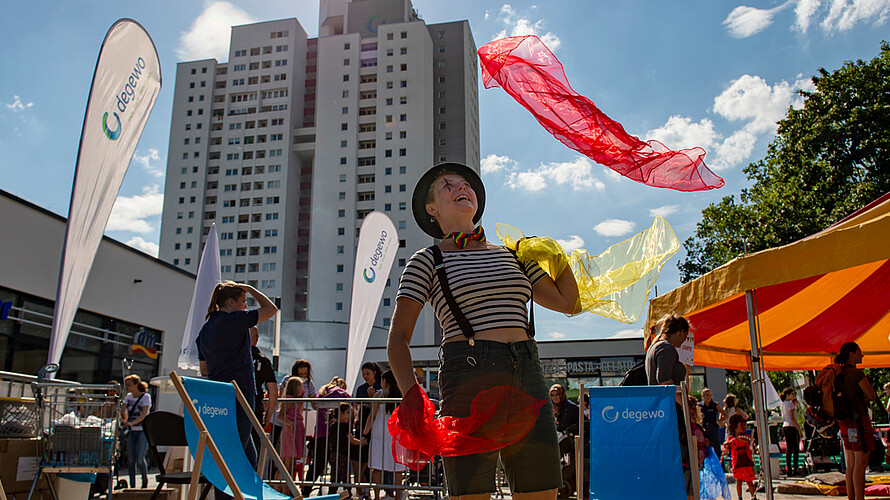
column 829, row 158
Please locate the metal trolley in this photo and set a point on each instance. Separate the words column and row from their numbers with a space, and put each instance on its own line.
column 78, row 426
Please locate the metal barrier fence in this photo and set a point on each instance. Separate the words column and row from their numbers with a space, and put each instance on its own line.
column 323, row 447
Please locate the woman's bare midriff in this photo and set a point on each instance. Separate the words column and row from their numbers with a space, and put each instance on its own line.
column 505, row 335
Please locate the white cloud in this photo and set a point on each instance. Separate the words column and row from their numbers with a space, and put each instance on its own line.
column 148, row 247
column 518, row 25
column 208, row 36
column 494, row 163
column 664, row 210
column 577, row 173
column 17, row 105
column 749, row 99
column 614, row 227
column 629, row 333
column 573, row 243
column 843, row 15
column 804, row 13
column 130, row 212
column 556, row 335
column 145, row 160
column 745, row 21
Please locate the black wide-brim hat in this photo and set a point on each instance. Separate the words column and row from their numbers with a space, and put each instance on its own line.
column 418, row 199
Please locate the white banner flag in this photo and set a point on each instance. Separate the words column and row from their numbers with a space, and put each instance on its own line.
column 377, row 246
column 125, row 85
column 208, row 277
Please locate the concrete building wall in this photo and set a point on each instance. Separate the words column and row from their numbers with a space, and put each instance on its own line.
column 123, row 283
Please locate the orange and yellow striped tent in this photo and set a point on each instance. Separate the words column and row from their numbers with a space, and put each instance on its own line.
column 810, row 297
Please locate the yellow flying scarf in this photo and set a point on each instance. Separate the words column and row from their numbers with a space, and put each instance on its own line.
column 615, row 283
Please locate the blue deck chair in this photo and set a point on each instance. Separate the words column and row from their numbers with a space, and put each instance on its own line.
column 212, row 428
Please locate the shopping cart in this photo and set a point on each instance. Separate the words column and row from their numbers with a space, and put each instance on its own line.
column 78, row 426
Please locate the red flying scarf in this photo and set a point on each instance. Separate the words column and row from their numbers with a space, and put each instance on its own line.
column 499, row 417
column 525, row 68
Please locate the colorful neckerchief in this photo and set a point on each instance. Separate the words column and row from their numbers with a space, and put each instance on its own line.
column 462, row 239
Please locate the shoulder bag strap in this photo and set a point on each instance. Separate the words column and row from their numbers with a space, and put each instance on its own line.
column 439, row 265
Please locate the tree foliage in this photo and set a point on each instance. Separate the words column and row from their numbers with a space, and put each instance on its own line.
column 829, row 158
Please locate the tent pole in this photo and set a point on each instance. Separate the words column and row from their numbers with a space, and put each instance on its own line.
column 757, row 375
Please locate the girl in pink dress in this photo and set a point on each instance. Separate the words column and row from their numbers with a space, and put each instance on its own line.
column 293, row 434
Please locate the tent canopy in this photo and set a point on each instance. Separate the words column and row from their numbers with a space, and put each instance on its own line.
column 811, row 296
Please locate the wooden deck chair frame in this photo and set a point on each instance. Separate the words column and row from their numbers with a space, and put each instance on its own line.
column 206, row 441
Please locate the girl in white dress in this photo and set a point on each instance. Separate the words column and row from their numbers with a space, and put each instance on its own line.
column 381, row 441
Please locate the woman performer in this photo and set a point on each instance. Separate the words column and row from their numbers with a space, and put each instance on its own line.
column 490, row 288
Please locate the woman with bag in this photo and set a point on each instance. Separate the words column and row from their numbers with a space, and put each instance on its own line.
column 479, row 292
column 137, row 404
column 856, row 429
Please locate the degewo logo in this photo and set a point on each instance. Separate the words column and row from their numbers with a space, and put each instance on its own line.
column 610, row 414
column 208, row 410
column 124, row 97
column 375, row 259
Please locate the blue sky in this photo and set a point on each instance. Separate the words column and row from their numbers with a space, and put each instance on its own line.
column 689, row 73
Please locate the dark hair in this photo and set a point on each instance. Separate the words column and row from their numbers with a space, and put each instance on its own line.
column 143, row 387
column 728, row 398
column 300, row 363
column 787, row 392
column 671, row 324
column 734, row 422
column 843, row 356
column 394, row 391
column 374, row 367
column 221, row 294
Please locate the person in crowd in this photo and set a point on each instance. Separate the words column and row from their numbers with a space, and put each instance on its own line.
column 663, row 367
column 713, row 418
column 266, row 383
column 340, row 438
column 224, row 346
column 293, row 434
column 739, row 447
column 565, row 411
column 137, row 405
column 371, row 373
column 730, row 406
column 321, row 451
column 495, row 348
column 303, row 369
column 856, row 430
column 380, row 455
column 791, row 428
column 698, row 431
column 887, row 406
column 663, row 364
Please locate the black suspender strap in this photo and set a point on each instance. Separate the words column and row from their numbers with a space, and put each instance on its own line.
column 462, row 321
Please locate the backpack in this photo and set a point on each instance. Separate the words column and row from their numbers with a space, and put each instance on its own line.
column 636, row 375
column 830, row 383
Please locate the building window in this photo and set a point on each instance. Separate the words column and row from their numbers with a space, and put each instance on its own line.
column 346, row 46
column 342, row 195
column 339, row 268
column 403, row 151
column 387, row 302
column 338, row 306
column 403, row 83
column 386, row 322
column 344, row 126
column 387, row 189
column 343, row 161
column 403, row 50
column 345, row 78
column 403, row 67
column 346, row 62
column 389, row 68
column 402, row 224
column 402, row 188
column 340, row 249
column 387, row 207
column 341, row 231
column 401, row 205
column 403, row 35
column 403, row 134
column 401, row 262
column 387, row 171
column 341, row 213
column 389, row 36
column 339, row 287
column 342, row 177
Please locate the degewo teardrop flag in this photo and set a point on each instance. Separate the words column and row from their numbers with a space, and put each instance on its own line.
column 374, row 255
column 125, row 85
column 526, row 69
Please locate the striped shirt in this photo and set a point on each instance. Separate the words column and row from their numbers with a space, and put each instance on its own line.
column 489, row 286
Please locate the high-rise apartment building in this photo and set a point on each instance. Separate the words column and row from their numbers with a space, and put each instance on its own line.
column 288, row 145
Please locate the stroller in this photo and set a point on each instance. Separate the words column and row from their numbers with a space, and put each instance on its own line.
column 823, row 441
